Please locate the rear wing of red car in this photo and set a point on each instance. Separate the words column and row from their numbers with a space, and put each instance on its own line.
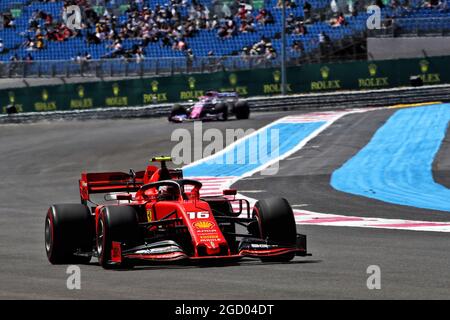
column 104, row 182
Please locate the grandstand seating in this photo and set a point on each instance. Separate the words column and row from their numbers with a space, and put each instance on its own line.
column 205, row 40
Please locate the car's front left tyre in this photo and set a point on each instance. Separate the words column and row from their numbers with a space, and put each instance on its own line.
column 177, row 110
column 276, row 222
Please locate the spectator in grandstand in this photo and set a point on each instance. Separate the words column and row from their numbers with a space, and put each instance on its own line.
column 8, row 21
column 82, row 57
column 189, row 57
column 324, row 38
column 117, row 50
column 307, row 10
column 78, row 57
column 91, row 38
column 14, row 58
column 40, row 42
column 2, row 46
column 28, row 58
column 226, row 10
column 28, row 44
column 180, row 45
column 213, row 23
column 334, row 6
column 290, row 20
column 338, row 21
column 270, row 52
column 221, row 32
column 246, row 27
column 231, row 28
column 300, row 28
column 87, row 56
column 166, row 42
column 245, row 52
column 297, row 47
column 435, row 4
column 262, row 48
column 289, row 4
column 324, row 43
column 354, row 7
column 380, row 3
column 443, row 6
column 227, row 29
column 138, row 53
column 259, row 47
column 242, row 12
column 431, row 4
column 264, row 17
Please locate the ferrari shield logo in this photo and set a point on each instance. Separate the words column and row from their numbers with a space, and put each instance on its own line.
column 149, row 215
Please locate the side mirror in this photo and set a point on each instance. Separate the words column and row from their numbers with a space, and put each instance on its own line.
column 118, row 197
column 125, row 196
column 229, row 192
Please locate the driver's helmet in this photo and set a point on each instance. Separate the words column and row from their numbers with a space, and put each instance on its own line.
column 167, row 193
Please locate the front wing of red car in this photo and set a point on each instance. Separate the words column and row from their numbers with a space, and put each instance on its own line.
column 168, row 250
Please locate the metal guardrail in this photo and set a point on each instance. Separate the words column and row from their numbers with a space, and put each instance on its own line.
column 133, row 67
column 327, row 101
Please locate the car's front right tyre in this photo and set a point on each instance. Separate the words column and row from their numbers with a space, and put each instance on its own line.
column 115, row 223
column 69, row 231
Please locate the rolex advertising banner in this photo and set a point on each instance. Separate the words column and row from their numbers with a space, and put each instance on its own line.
column 260, row 82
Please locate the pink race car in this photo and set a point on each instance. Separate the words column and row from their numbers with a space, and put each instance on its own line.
column 212, row 106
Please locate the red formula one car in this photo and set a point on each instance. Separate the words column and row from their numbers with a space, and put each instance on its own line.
column 156, row 215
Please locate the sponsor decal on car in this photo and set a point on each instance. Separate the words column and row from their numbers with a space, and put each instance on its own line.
column 262, row 246
column 162, row 250
column 203, row 224
column 210, row 237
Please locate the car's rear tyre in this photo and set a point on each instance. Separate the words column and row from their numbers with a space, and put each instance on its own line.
column 69, row 230
column 242, row 110
column 276, row 223
column 177, row 110
column 115, row 223
column 222, row 108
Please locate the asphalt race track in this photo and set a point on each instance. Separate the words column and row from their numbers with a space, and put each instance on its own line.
column 40, row 165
